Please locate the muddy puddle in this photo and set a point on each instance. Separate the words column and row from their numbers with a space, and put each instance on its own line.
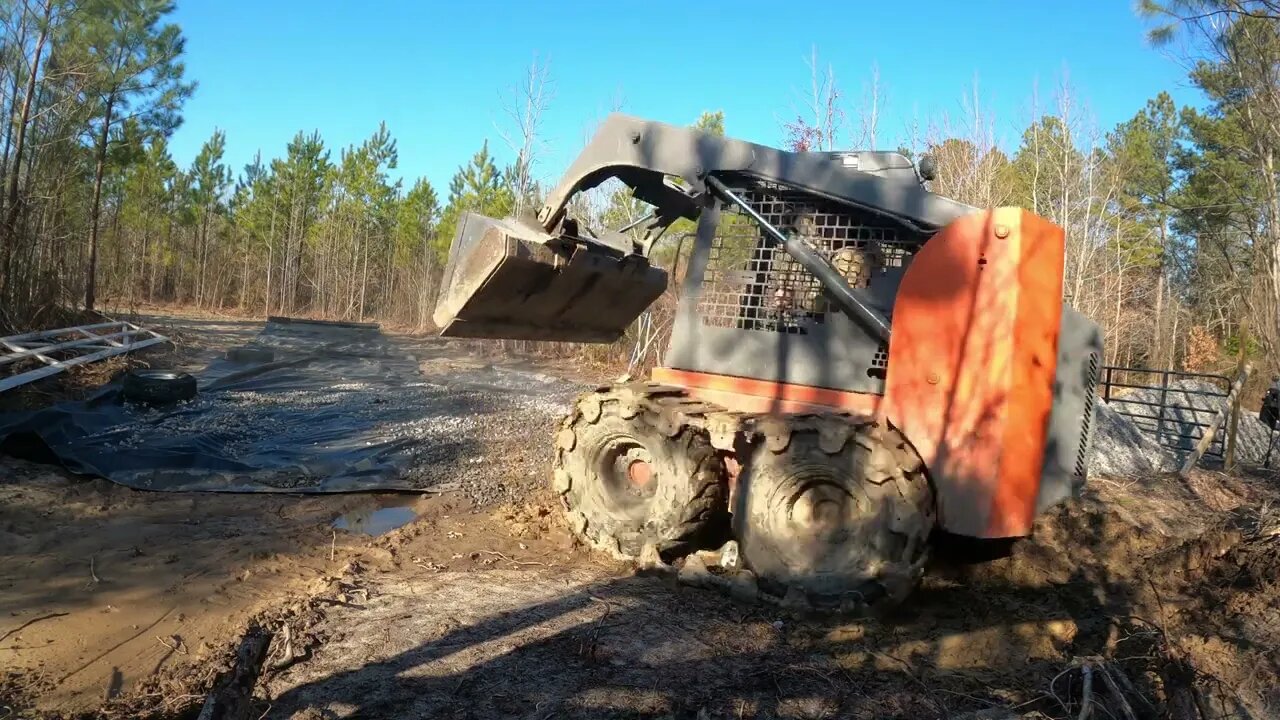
column 378, row 517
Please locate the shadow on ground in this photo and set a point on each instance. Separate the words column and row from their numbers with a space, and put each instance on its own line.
column 532, row 640
column 540, row 642
column 505, row 644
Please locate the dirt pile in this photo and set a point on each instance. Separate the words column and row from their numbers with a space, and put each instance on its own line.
column 1176, row 582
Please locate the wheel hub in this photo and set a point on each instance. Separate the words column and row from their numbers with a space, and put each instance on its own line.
column 626, row 473
column 820, row 508
column 639, row 468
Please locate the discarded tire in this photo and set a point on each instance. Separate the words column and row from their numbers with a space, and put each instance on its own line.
column 250, row 355
column 158, row 387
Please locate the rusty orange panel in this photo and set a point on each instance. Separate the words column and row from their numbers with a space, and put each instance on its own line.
column 764, row 396
column 972, row 359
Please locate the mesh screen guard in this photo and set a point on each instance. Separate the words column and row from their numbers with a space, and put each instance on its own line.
column 752, row 284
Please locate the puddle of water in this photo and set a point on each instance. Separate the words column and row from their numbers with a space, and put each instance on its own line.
column 375, row 521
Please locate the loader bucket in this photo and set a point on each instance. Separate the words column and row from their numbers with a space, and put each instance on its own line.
column 504, row 281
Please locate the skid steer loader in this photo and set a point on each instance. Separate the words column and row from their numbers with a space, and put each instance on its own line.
column 859, row 369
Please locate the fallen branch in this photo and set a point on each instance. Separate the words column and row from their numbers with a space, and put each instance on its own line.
column 589, row 647
column 1129, row 688
column 281, row 655
column 1112, row 700
column 512, row 560
column 1113, row 687
column 232, row 694
column 179, row 646
column 1086, row 695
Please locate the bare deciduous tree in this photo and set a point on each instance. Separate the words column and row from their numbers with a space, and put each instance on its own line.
column 525, row 108
column 870, row 111
column 824, row 104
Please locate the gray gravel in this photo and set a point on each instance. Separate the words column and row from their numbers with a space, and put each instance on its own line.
column 1121, row 449
column 1126, row 446
column 513, row 437
column 446, row 417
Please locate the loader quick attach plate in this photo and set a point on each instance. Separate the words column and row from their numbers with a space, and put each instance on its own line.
column 505, row 281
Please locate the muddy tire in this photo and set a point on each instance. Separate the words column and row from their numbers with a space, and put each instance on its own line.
column 158, row 387
column 834, row 515
column 624, row 484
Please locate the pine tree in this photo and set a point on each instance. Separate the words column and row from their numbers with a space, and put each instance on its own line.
column 301, row 178
column 147, row 185
column 136, row 72
column 477, row 187
column 211, row 182
column 1142, row 154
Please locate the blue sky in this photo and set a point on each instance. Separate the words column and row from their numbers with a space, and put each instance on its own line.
column 436, row 71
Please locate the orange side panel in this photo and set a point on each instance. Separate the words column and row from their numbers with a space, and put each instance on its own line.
column 972, row 360
column 764, row 396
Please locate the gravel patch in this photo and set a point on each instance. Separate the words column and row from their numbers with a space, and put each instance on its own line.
column 514, row 436
column 338, row 410
column 352, row 409
column 1187, row 407
column 1121, row 449
column 1127, row 446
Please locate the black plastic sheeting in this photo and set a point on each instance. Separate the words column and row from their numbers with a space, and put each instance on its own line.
column 340, row 408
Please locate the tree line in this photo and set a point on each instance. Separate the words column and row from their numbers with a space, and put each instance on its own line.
column 1172, row 216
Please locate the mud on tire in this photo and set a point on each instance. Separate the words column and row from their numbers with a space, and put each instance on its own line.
column 681, row 502
column 834, row 515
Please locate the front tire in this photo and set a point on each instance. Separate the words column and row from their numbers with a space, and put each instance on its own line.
column 624, row 484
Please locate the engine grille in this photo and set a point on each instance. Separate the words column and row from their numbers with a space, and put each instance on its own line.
column 1091, row 383
column 749, row 284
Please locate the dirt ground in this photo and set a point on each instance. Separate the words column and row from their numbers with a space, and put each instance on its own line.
column 103, row 588
column 118, row 603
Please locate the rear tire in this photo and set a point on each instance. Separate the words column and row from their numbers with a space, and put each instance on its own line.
column 834, row 515
column 158, row 387
column 609, row 502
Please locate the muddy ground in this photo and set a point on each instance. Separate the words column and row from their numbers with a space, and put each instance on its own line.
column 118, row 603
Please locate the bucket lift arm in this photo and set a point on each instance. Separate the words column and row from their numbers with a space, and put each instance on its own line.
column 544, row 277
